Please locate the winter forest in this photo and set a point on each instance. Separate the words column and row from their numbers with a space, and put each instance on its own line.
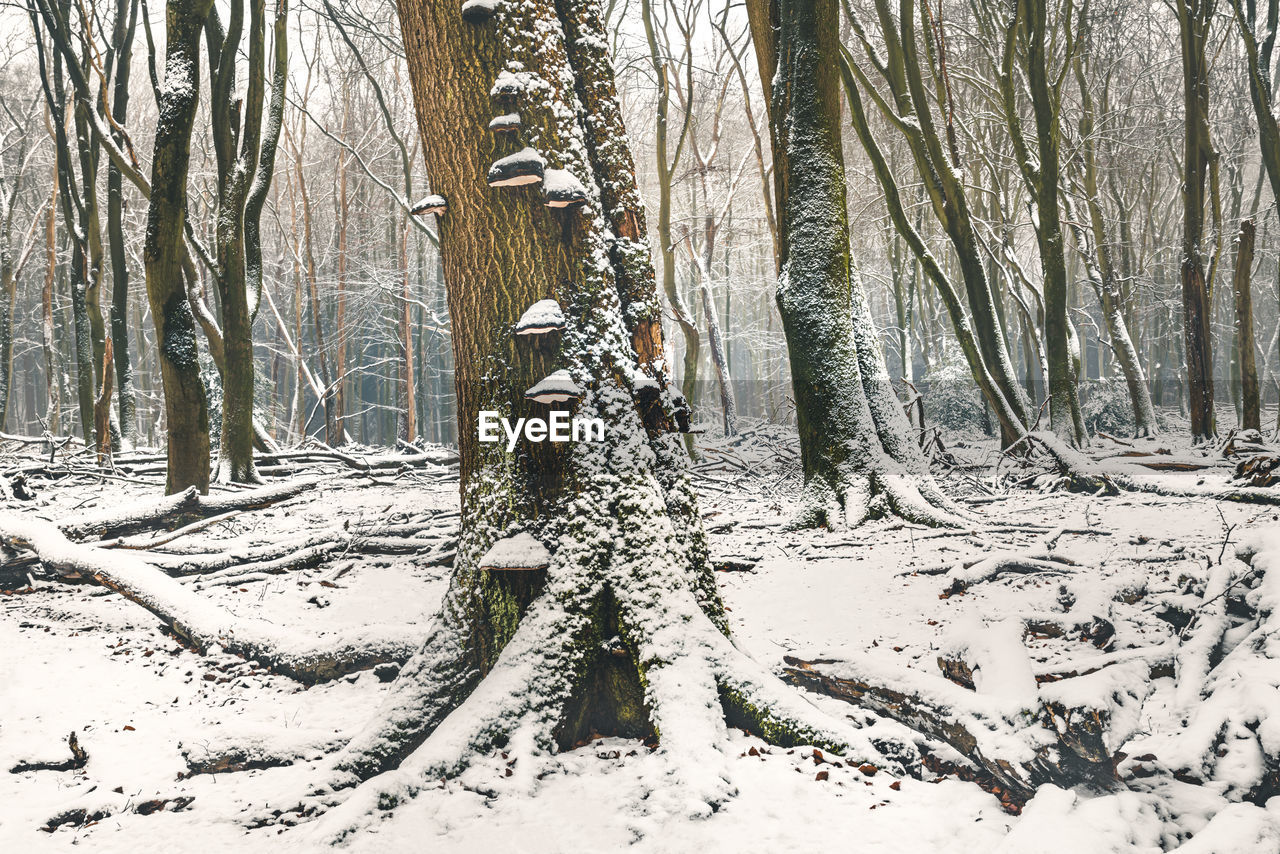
column 640, row 425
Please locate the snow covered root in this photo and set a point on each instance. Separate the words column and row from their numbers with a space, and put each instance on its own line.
column 696, row 682
column 857, row 496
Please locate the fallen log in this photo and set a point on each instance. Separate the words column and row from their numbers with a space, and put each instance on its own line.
column 1064, row 735
column 181, row 508
column 1087, row 475
column 308, row 658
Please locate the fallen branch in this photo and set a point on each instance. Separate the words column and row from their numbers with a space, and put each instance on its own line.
column 202, row 623
column 176, row 510
column 965, row 575
column 79, row 758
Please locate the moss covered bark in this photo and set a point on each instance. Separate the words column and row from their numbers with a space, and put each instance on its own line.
column 624, row 632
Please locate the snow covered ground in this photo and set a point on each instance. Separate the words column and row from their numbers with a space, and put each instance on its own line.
column 74, row 660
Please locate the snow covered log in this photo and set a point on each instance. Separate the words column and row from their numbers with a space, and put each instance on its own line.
column 176, row 510
column 1229, row 682
column 1088, row 475
column 306, row 656
column 1067, row 733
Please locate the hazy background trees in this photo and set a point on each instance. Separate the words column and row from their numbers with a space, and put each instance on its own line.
column 952, row 193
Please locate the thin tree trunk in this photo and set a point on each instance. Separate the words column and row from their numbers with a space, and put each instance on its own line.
column 122, row 40
column 1245, row 345
column 1194, row 18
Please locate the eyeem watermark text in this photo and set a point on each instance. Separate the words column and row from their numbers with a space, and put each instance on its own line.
column 558, row 428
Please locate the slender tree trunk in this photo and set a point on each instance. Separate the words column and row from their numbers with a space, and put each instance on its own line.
column 1245, row 345
column 667, row 163
column 52, row 366
column 126, row 396
column 407, row 421
column 1194, row 18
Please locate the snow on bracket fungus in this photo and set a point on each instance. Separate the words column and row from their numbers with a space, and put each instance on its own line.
column 509, row 85
column 517, row 553
column 556, row 387
column 524, row 167
column 430, row 205
column 505, row 123
column 560, row 189
column 478, row 11
column 540, row 318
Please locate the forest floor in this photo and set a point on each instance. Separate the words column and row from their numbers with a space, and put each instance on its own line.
column 73, row 659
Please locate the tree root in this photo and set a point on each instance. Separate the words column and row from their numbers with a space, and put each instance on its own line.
column 1229, row 695
column 859, row 496
column 1047, row 738
column 202, row 623
column 696, row 683
column 1083, row 474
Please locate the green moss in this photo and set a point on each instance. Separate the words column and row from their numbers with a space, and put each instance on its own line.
column 763, row 722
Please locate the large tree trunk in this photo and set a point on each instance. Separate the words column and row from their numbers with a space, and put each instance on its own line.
column 186, row 408
column 858, row 458
column 622, row 631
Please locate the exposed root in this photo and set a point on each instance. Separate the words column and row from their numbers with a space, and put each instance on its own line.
column 1020, row 742
column 246, row 753
column 858, row 497
column 1081, row 473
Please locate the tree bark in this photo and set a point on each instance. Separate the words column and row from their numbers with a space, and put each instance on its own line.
column 186, row 407
column 563, row 651
column 1194, row 19
column 1246, row 347
column 122, row 41
column 857, row 456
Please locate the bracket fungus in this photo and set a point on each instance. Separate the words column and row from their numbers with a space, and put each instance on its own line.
column 432, row 204
column 561, row 189
column 505, row 123
column 517, row 553
column 556, row 387
column 540, row 318
column 478, row 11
column 526, row 166
column 509, row 85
